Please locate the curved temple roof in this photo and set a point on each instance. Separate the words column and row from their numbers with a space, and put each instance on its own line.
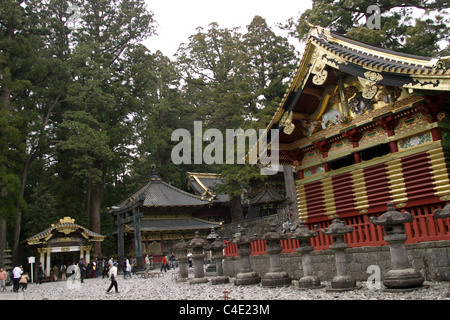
column 328, row 53
column 66, row 226
column 161, row 194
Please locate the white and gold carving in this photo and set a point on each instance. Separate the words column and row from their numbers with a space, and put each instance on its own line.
column 373, row 76
column 318, row 69
column 369, row 88
column 286, row 122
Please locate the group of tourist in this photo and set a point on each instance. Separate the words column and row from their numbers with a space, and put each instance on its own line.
column 19, row 279
column 167, row 262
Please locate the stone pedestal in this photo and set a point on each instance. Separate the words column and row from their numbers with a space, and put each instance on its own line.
column 181, row 255
column 217, row 255
column 402, row 275
column 246, row 275
column 442, row 214
column 303, row 235
column 342, row 281
column 275, row 277
column 198, row 244
column 211, row 270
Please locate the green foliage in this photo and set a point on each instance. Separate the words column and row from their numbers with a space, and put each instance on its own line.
column 418, row 27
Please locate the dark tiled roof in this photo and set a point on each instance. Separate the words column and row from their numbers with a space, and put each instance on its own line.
column 267, row 196
column 161, row 194
column 373, row 57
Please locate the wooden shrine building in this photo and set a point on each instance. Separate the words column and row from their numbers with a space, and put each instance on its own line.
column 204, row 185
column 265, row 202
column 364, row 126
column 65, row 241
column 155, row 217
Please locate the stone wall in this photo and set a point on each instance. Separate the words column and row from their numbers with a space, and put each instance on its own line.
column 432, row 259
column 254, row 226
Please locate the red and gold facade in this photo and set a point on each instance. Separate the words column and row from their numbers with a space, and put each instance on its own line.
column 364, row 126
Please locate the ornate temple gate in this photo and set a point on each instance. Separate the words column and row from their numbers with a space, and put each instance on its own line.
column 63, row 237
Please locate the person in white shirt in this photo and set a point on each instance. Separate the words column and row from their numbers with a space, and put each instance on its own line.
column 112, row 274
column 17, row 274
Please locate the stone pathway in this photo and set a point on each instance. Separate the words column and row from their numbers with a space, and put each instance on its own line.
column 166, row 288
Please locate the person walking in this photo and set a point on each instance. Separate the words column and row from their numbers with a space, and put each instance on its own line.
column 171, row 259
column 17, row 274
column 82, row 269
column 104, row 268
column 112, row 274
column 147, row 262
column 164, row 264
column 40, row 273
column 190, row 259
column 3, row 277
column 23, row 283
column 129, row 267
column 63, row 270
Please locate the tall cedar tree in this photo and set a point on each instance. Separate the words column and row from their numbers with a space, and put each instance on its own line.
column 234, row 81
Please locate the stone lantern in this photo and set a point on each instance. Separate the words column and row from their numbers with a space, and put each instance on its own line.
column 198, row 244
column 212, row 236
column 181, row 255
column 275, row 277
column 443, row 213
column 402, row 275
column 303, row 235
column 217, row 255
column 342, row 281
column 246, row 275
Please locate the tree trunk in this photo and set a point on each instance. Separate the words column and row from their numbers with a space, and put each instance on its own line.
column 2, row 240
column 17, row 228
column 291, row 193
column 95, row 206
column 237, row 213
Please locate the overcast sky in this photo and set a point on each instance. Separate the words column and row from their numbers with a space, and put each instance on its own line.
column 178, row 19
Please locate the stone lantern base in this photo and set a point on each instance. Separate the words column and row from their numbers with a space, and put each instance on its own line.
column 343, row 283
column 220, row 280
column 402, row 279
column 247, row 278
column 198, row 280
column 275, row 279
column 310, row 282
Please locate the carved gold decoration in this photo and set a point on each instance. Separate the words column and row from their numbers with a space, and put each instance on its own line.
column 373, row 76
column 286, row 122
column 66, row 220
column 369, row 88
column 440, row 116
column 320, row 74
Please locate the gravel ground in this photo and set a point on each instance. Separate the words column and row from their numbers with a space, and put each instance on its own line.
column 166, row 288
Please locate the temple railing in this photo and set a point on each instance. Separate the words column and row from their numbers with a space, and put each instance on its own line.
column 423, row 228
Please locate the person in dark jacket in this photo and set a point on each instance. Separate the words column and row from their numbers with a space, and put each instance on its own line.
column 82, row 268
column 41, row 274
